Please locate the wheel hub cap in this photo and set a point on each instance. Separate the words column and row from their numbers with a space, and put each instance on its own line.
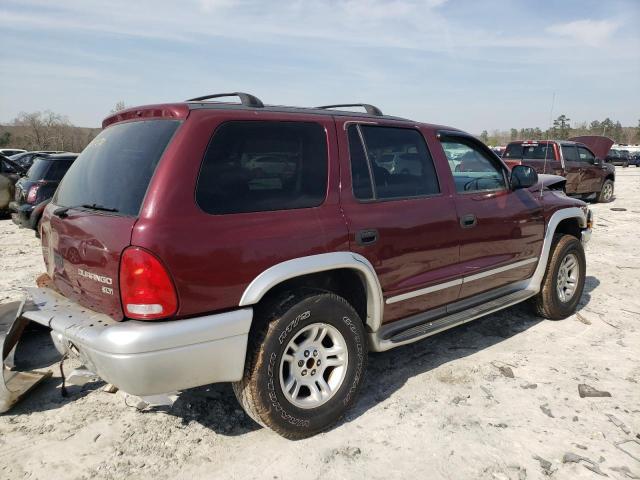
column 314, row 365
column 568, row 275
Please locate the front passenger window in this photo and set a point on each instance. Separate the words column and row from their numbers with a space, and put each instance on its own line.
column 472, row 168
column 585, row 155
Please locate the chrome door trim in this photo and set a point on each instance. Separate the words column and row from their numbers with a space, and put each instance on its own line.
column 459, row 281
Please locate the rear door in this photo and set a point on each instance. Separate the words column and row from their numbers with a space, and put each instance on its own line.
column 89, row 221
column 574, row 169
column 500, row 231
column 400, row 220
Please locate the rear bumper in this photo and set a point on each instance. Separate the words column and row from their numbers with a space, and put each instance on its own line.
column 146, row 358
column 21, row 213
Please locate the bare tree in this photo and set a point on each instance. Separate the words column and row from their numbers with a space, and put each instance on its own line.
column 118, row 106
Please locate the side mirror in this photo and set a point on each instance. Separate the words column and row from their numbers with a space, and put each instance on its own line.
column 523, row 176
column 597, row 161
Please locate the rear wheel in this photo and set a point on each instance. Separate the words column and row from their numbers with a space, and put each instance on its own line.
column 606, row 194
column 563, row 280
column 625, row 164
column 305, row 365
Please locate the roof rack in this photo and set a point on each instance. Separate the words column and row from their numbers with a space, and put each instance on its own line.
column 246, row 99
column 370, row 109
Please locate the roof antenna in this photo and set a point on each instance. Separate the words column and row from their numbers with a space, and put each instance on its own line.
column 546, row 149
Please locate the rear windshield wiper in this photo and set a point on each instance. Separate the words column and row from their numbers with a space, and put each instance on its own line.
column 95, row 206
column 62, row 211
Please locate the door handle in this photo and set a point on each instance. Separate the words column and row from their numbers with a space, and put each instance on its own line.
column 367, row 237
column 469, row 220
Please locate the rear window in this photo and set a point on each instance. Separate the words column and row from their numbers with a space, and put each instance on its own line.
column 115, row 169
column 535, row 151
column 38, row 169
column 57, row 170
column 255, row 166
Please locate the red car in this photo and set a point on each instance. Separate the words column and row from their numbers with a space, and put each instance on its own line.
column 581, row 160
column 202, row 271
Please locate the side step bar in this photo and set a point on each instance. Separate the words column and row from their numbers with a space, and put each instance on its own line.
column 393, row 337
column 13, row 384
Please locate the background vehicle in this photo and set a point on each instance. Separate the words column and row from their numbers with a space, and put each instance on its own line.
column 9, row 174
column 171, row 266
column 38, row 185
column 7, row 152
column 25, row 159
column 579, row 160
column 618, row 157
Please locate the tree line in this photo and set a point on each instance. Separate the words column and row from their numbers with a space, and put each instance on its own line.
column 562, row 130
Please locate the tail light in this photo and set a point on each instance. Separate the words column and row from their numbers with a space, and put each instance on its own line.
column 146, row 289
column 33, row 193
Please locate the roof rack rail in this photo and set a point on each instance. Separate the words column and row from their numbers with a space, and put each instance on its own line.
column 246, row 99
column 370, row 109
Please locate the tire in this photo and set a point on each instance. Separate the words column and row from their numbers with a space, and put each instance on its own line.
column 606, row 192
column 297, row 413
column 549, row 302
column 625, row 165
column 37, row 227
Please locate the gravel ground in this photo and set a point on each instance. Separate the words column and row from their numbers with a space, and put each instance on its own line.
column 494, row 399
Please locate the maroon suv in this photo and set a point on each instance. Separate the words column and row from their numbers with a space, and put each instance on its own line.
column 273, row 247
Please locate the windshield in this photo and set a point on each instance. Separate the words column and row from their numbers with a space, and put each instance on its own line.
column 115, row 169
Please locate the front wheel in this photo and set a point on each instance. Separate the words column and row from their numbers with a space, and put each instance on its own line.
column 606, row 193
column 563, row 281
column 305, row 365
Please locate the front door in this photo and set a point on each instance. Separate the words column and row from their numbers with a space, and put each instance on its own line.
column 592, row 173
column 400, row 215
column 500, row 230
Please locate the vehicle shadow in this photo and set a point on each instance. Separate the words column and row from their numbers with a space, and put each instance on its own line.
column 215, row 406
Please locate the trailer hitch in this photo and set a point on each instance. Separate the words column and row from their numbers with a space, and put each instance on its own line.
column 14, row 385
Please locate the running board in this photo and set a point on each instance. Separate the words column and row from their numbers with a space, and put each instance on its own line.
column 432, row 326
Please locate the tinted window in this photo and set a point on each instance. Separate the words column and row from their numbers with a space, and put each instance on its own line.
column 38, row 169
column 585, row 155
column 400, row 162
column 530, row 151
column 115, row 169
column 360, row 176
column 57, row 170
column 256, row 166
column 473, row 169
column 570, row 153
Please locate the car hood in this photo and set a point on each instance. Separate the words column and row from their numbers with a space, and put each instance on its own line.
column 598, row 144
column 550, row 182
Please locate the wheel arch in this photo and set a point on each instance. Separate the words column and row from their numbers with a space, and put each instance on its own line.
column 310, row 268
column 561, row 221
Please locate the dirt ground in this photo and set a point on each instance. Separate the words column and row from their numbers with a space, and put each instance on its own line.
column 494, row 399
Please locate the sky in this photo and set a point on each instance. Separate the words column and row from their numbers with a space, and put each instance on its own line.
column 471, row 64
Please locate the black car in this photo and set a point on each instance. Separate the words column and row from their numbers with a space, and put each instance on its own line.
column 38, row 185
column 25, row 159
column 618, row 157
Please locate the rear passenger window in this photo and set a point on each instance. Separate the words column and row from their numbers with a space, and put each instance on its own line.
column 255, row 166
column 392, row 163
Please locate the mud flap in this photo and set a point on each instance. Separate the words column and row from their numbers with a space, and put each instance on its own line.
column 14, row 385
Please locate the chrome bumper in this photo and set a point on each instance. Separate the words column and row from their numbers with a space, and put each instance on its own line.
column 585, row 236
column 146, row 358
